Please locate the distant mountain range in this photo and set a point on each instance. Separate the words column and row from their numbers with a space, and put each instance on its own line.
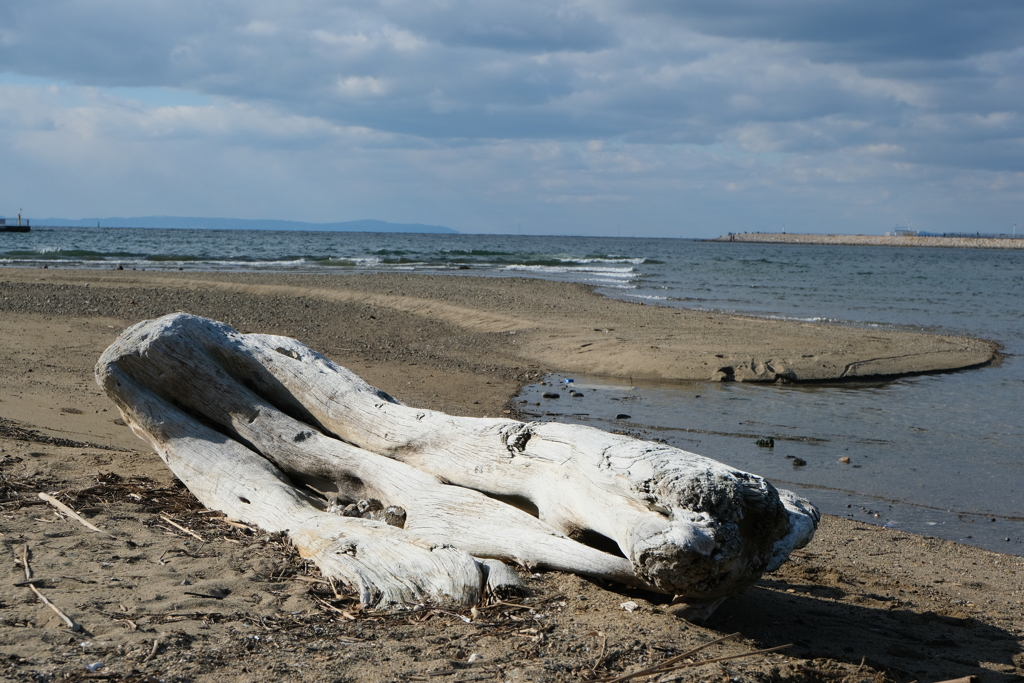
column 185, row 223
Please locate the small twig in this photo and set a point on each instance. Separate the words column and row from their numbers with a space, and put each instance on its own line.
column 309, row 579
column 344, row 613
column 72, row 514
column 128, row 623
column 28, row 582
column 726, row 658
column 326, row 582
column 24, row 563
column 661, row 667
column 68, row 621
column 205, row 595
column 600, row 656
column 180, row 527
column 502, row 603
column 453, row 614
column 22, row 501
column 152, row 653
column 685, row 665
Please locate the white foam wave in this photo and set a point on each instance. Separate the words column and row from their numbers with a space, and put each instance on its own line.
column 623, row 273
column 634, row 261
column 610, row 285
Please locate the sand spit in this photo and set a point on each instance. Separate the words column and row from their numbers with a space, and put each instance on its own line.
column 875, row 240
column 527, row 323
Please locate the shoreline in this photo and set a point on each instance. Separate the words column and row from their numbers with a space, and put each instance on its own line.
column 858, row 601
column 874, row 240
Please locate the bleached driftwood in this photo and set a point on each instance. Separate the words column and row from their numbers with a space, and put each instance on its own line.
column 272, row 433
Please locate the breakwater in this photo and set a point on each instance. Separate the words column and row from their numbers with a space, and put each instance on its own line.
column 876, row 240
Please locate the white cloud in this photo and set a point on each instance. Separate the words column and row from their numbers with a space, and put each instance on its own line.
column 264, row 29
column 362, row 86
column 525, row 102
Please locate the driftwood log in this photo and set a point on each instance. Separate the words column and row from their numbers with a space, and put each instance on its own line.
column 274, row 434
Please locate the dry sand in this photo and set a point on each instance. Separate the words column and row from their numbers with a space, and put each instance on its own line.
column 859, row 603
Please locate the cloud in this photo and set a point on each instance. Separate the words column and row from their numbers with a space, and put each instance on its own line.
column 854, row 30
column 557, row 103
column 362, row 86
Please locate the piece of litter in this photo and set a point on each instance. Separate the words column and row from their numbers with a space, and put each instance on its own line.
column 630, row 606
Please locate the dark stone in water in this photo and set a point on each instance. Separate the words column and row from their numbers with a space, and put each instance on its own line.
column 724, row 374
column 799, row 462
column 575, row 394
column 622, row 416
column 766, row 442
column 550, row 394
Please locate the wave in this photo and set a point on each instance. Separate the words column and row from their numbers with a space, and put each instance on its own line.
column 57, row 253
column 607, row 272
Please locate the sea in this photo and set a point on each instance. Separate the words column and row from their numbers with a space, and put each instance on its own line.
column 938, row 454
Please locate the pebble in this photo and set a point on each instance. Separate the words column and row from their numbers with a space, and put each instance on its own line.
column 550, row 394
column 622, row 416
column 845, row 460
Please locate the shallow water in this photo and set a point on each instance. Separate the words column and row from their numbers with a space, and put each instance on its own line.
column 938, row 454
column 954, row 479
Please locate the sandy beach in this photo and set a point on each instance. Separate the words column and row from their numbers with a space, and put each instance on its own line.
column 174, row 592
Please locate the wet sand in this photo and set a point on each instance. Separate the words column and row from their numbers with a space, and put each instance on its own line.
column 909, row 607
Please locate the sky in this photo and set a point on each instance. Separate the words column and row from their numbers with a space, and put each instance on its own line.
column 661, row 118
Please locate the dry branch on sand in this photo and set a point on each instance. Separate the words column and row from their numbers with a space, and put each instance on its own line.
column 274, row 434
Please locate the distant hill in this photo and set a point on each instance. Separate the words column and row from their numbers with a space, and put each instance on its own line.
column 184, row 223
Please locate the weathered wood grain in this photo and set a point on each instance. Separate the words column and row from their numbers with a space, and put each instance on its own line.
column 237, row 416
